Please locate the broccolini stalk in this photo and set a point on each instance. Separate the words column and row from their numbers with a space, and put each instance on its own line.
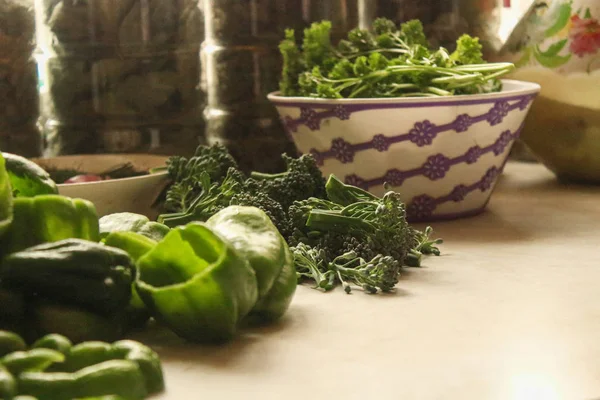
column 424, row 246
column 340, row 193
column 381, row 273
column 311, row 264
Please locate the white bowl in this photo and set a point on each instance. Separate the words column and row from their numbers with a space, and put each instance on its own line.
column 443, row 154
column 135, row 194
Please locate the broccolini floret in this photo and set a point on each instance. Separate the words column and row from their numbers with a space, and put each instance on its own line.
column 215, row 161
column 362, row 238
column 301, row 180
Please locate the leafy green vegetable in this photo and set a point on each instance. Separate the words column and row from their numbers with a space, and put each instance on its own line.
column 387, row 62
column 355, row 238
column 202, row 187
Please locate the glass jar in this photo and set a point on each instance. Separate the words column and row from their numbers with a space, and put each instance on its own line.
column 18, row 80
column 120, row 75
column 445, row 20
column 242, row 65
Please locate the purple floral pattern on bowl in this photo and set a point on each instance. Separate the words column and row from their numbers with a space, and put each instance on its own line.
column 473, row 154
column 436, row 167
column 503, row 141
column 394, row 177
column 341, row 112
column 489, row 179
column 318, row 157
column 342, row 150
column 421, row 207
column 462, row 123
column 459, row 193
column 380, row 143
column 423, row 133
column 355, row 180
column 498, row 112
column 524, row 103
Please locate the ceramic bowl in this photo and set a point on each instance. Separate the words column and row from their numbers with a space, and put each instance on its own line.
column 443, row 154
column 135, row 194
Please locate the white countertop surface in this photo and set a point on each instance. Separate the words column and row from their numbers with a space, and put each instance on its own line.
column 510, row 311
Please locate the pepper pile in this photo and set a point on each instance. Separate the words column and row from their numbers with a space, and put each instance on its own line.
column 65, row 271
column 55, row 369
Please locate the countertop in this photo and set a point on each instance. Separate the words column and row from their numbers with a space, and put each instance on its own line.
column 511, row 310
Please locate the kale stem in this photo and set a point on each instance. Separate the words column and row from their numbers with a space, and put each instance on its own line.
column 452, row 79
column 413, row 259
column 176, row 219
column 335, row 221
column 263, row 176
column 485, row 67
column 438, row 91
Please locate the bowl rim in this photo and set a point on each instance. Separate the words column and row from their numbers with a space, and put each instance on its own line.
column 517, row 89
column 156, row 175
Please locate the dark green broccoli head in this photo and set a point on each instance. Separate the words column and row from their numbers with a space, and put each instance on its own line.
column 300, row 181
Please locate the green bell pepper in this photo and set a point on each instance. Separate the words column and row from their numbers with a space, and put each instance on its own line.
column 54, row 341
column 91, row 353
column 6, row 199
column 256, row 238
column 27, row 178
column 13, row 310
column 116, row 377
column 197, row 284
column 77, row 324
column 50, row 218
column 8, row 384
column 33, row 360
column 130, row 222
column 136, row 245
column 73, row 271
column 10, row 342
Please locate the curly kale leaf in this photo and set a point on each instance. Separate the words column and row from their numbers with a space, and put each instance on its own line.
column 293, row 65
column 413, row 34
column 468, row 51
column 316, row 46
